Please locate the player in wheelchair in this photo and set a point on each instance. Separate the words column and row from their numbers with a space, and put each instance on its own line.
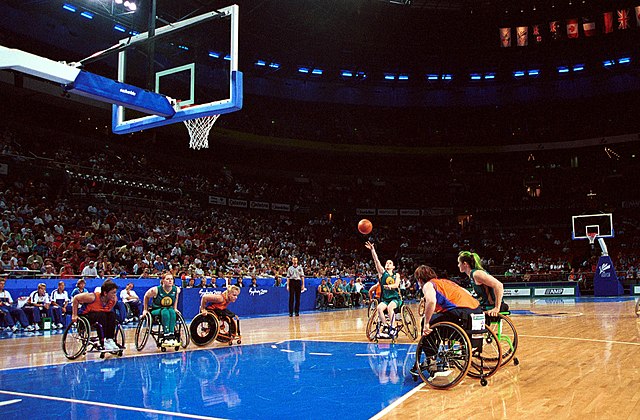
column 172, row 330
column 215, row 321
column 455, row 341
column 390, row 302
column 489, row 291
column 97, row 316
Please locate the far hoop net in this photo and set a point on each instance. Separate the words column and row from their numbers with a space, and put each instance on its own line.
column 592, row 237
column 199, row 131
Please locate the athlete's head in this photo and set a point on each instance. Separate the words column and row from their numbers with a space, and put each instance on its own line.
column 424, row 273
column 232, row 292
column 468, row 261
column 389, row 266
column 109, row 289
column 167, row 280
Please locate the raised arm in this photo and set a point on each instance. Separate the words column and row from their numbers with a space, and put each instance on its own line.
column 376, row 260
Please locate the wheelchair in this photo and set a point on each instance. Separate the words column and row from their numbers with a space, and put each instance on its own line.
column 638, row 308
column 151, row 325
column 82, row 337
column 507, row 336
column 406, row 323
column 457, row 348
column 209, row 327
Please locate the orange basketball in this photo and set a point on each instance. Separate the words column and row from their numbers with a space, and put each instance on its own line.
column 365, row 226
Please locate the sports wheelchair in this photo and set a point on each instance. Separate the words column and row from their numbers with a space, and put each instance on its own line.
column 504, row 329
column 507, row 336
column 638, row 308
column 209, row 327
column 406, row 323
column 457, row 347
column 82, row 337
column 151, row 325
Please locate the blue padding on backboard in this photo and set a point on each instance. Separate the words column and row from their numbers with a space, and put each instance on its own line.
column 223, row 107
column 106, row 90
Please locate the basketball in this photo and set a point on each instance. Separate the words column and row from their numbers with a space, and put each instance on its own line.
column 365, row 226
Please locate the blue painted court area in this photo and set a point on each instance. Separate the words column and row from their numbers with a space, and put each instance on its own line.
column 293, row 379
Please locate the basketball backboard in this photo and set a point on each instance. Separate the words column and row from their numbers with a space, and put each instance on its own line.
column 194, row 62
column 600, row 224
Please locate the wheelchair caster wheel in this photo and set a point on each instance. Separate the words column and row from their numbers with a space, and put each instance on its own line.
column 176, row 348
column 483, row 382
column 102, row 355
column 163, row 349
column 516, row 361
column 239, row 341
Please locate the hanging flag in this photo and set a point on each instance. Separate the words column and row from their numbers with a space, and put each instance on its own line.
column 554, row 29
column 572, row 28
column 537, row 36
column 637, row 15
column 522, row 33
column 588, row 26
column 608, row 22
column 505, row 37
column 623, row 19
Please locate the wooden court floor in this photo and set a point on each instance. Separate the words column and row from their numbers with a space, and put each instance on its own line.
column 578, row 359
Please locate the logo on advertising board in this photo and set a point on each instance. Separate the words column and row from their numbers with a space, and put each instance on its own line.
column 558, row 291
column 603, row 270
column 209, row 292
column 255, row 291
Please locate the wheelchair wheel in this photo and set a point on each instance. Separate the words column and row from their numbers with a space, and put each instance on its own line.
column 409, row 322
column 443, row 357
column 507, row 337
column 421, row 308
column 638, row 308
column 204, row 329
column 373, row 307
column 143, row 330
column 182, row 331
column 75, row 338
column 486, row 362
column 227, row 330
column 119, row 339
column 372, row 328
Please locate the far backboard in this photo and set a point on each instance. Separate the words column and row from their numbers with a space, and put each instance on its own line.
column 600, row 224
column 192, row 61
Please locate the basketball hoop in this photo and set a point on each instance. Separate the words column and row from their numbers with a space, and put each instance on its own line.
column 199, row 131
column 592, row 237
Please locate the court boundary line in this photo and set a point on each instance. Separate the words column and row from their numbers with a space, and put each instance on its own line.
column 397, row 402
column 107, row 405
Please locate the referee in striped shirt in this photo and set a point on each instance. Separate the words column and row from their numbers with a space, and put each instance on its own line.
column 295, row 285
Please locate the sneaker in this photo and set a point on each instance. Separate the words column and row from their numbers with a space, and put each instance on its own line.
column 37, row 327
column 15, row 328
column 30, row 328
column 59, row 326
column 383, row 334
column 110, row 345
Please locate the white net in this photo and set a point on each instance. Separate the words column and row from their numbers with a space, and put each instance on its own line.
column 199, row 131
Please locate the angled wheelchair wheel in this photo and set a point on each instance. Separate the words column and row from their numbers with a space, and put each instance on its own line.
column 485, row 362
column 409, row 322
column 421, row 307
column 443, row 357
column 75, row 338
column 507, row 337
column 227, row 330
column 204, row 329
column 119, row 339
column 638, row 308
column 373, row 307
column 182, row 331
column 143, row 331
column 372, row 328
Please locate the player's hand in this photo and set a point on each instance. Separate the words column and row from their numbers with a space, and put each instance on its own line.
column 74, row 318
column 427, row 329
column 368, row 245
column 493, row 312
column 204, row 312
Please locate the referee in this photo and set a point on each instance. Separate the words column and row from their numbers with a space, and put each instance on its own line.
column 295, row 285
